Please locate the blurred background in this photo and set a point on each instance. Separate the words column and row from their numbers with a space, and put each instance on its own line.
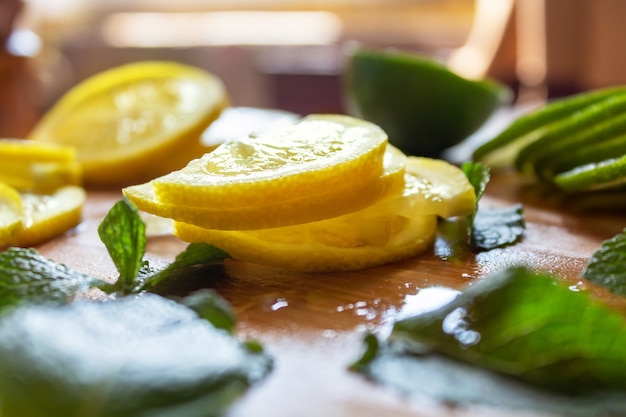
column 289, row 54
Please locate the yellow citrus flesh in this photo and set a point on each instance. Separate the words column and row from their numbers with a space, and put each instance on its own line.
column 302, row 209
column 320, row 154
column 444, row 189
column 135, row 122
column 48, row 215
column 399, row 227
column 11, row 213
column 312, row 249
column 26, row 152
column 40, row 177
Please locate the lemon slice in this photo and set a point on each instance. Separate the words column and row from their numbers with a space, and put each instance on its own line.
column 301, row 209
column 313, row 157
column 48, row 215
column 322, row 248
column 438, row 187
column 10, row 214
column 40, row 177
column 135, row 122
column 37, row 167
column 396, row 228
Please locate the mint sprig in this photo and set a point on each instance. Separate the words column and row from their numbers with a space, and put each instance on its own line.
column 124, row 234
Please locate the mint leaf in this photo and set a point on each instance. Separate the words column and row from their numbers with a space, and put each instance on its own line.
column 527, row 325
column 492, row 228
column 498, row 227
column 123, row 233
column 478, row 175
column 607, row 266
column 27, row 277
column 195, row 257
column 129, row 357
column 210, row 306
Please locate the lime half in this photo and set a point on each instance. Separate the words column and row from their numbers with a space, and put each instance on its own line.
column 424, row 107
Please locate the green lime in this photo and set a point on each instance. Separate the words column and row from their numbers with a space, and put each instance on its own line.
column 424, row 107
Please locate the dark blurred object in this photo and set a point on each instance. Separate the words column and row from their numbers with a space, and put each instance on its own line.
column 17, row 96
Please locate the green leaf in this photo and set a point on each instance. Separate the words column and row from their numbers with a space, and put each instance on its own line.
column 130, row 357
column 210, row 306
column 27, row 277
column 607, row 266
column 478, row 175
column 498, row 227
column 515, row 339
column 528, row 325
column 195, row 257
column 123, row 233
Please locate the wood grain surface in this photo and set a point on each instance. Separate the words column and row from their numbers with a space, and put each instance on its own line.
column 313, row 324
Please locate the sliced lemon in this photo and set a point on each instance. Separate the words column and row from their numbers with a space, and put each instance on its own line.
column 40, row 177
column 301, row 209
column 313, row 157
column 439, row 187
column 396, row 228
column 37, row 167
column 11, row 212
column 323, row 249
column 135, row 122
column 48, row 215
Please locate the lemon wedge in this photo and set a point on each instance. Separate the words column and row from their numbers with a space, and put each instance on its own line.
column 135, row 122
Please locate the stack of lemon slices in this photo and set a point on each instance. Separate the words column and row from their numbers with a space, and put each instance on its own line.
column 327, row 193
column 40, row 192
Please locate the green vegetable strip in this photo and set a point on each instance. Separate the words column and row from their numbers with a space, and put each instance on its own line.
column 552, row 112
column 595, row 123
column 585, row 155
column 608, row 174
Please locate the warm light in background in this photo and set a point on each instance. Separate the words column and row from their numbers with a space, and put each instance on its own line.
column 221, row 28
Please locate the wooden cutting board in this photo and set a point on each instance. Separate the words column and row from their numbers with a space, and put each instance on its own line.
column 313, row 324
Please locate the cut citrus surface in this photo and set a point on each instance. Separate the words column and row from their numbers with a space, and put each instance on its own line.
column 310, row 248
column 320, row 154
column 48, row 215
column 135, row 122
column 439, row 187
column 40, row 177
column 300, row 209
column 399, row 227
column 11, row 213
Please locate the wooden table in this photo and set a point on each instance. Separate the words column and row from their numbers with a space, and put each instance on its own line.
column 313, row 324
